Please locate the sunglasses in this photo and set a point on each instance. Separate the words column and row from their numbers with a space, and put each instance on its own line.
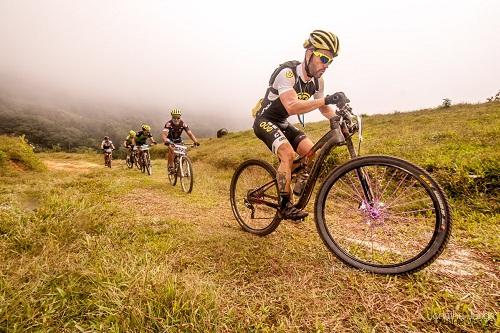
column 176, row 117
column 324, row 58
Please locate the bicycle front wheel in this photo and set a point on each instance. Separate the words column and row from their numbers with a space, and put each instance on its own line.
column 148, row 166
column 186, row 174
column 383, row 214
column 172, row 176
column 254, row 197
column 129, row 161
column 137, row 162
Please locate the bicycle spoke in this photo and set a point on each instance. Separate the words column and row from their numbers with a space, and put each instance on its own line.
column 393, row 229
column 254, row 197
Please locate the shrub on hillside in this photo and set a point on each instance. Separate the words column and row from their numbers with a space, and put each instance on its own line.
column 15, row 152
column 446, row 103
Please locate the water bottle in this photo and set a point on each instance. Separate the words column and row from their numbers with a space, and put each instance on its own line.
column 300, row 182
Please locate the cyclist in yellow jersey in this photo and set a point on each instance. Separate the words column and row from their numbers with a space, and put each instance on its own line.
column 290, row 88
column 129, row 143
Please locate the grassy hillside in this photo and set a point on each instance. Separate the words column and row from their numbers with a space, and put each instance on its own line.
column 87, row 248
column 17, row 155
column 72, row 126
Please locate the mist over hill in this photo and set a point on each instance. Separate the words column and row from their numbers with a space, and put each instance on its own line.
column 54, row 118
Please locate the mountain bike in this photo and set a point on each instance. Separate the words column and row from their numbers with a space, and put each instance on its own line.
column 183, row 168
column 145, row 159
column 131, row 158
column 108, row 157
column 377, row 213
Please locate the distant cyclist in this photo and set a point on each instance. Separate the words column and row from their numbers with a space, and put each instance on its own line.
column 129, row 143
column 107, row 145
column 141, row 138
column 291, row 86
column 172, row 134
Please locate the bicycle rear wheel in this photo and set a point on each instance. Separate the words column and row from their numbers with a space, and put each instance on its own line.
column 254, row 197
column 186, row 174
column 402, row 228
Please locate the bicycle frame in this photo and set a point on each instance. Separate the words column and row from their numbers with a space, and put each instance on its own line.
column 340, row 135
column 180, row 150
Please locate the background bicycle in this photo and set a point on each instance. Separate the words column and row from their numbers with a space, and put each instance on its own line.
column 144, row 159
column 183, row 168
column 131, row 158
column 108, row 157
column 377, row 213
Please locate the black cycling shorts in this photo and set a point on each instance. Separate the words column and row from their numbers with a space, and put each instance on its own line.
column 177, row 140
column 274, row 134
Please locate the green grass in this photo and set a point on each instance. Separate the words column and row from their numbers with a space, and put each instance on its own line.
column 87, row 248
column 17, row 155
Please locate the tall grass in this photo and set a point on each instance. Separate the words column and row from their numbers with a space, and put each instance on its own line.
column 86, row 248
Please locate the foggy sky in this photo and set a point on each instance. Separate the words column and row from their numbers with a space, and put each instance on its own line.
column 216, row 56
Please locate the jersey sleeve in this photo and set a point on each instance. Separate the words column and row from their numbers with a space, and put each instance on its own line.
column 167, row 127
column 284, row 81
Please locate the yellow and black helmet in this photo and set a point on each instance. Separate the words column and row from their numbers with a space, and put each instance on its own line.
column 131, row 133
column 176, row 112
column 320, row 39
column 146, row 128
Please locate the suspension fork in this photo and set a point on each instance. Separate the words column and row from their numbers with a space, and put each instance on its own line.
column 360, row 173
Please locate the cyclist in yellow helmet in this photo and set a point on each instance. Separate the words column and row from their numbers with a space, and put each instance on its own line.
column 172, row 134
column 290, row 88
column 129, row 140
column 129, row 143
column 142, row 136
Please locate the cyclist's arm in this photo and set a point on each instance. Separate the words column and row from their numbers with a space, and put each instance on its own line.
column 125, row 143
column 191, row 135
column 326, row 110
column 164, row 135
column 294, row 105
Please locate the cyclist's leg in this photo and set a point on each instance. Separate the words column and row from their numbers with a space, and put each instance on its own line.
column 302, row 145
column 283, row 143
column 305, row 146
column 170, row 158
column 284, row 173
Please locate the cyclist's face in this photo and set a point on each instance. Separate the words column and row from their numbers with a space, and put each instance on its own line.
column 176, row 119
column 319, row 62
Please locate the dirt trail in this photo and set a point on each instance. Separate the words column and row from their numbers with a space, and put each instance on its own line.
column 73, row 165
column 455, row 260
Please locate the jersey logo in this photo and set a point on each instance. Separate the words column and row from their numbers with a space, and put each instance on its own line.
column 289, row 74
column 304, row 96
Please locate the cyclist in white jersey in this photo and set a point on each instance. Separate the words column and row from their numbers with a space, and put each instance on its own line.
column 291, row 86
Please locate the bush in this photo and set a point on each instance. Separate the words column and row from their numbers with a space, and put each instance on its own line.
column 446, row 103
column 16, row 153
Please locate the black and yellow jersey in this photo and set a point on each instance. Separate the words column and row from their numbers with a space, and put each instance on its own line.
column 287, row 76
